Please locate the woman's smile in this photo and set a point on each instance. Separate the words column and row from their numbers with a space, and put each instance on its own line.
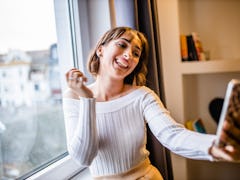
column 122, row 63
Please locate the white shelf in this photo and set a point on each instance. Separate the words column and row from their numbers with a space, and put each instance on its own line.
column 190, row 86
column 211, row 66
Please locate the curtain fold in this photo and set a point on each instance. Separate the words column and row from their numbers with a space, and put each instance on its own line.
column 142, row 15
column 147, row 22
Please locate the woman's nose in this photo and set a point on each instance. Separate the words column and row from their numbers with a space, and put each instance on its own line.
column 127, row 54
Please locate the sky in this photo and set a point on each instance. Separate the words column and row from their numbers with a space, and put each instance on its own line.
column 26, row 25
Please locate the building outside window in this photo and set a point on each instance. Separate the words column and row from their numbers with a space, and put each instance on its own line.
column 40, row 41
column 32, row 131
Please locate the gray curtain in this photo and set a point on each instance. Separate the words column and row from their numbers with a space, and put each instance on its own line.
column 142, row 15
column 147, row 22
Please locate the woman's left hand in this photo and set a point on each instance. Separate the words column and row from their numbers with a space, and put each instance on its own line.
column 230, row 137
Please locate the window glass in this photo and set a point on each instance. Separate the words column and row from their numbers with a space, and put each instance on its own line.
column 32, row 130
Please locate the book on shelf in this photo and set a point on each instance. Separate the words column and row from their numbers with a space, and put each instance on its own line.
column 198, row 46
column 191, row 47
column 184, row 47
column 192, row 51
column 196, row 125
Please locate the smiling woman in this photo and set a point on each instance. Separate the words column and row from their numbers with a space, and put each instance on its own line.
column 134, row 47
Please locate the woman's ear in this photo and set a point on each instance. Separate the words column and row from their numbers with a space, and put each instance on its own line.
column 99, row 51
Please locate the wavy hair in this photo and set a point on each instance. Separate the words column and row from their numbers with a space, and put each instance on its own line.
column 138, row 76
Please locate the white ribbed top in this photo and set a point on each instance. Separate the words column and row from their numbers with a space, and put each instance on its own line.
column 114, row 140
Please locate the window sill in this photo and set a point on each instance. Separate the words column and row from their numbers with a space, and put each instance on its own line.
column 84, row 174
column 65, row 168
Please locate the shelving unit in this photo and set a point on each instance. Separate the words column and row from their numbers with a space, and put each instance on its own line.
column 209, row 67
column 190, row 86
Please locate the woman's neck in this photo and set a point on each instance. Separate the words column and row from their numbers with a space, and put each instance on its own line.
column 105, row 90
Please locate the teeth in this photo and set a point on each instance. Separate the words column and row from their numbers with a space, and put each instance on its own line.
column 122, row 64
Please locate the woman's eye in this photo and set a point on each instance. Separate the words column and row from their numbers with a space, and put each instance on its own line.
column 121, row 45
column 137, row 54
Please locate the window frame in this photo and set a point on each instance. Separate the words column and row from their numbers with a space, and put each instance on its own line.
column 73, row 24
column 64, row 167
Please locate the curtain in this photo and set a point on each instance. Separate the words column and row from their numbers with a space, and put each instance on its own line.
column 142, row 15
column 147, row 22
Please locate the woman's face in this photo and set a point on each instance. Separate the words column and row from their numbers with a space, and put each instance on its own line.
column 120, row 56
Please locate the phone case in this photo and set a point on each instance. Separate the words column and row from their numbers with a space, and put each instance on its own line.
column 231, row 105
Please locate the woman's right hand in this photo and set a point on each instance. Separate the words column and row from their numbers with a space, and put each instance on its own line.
column 76, row 82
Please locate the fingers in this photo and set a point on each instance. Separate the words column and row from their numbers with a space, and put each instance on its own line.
column 230, row 141
column 231, row 153
column 69, row 73
column 220, row 154
column 80, row 79
column 76, row 82
column 228, row 153
column 75, row 76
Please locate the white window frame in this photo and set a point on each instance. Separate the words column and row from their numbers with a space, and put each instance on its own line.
column 73, row 23
column 65, row 167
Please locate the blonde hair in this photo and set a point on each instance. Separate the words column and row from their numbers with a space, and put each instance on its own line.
column 139, row 73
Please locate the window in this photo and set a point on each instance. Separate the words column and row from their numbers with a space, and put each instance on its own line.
column 32, row 131
column 33, row 62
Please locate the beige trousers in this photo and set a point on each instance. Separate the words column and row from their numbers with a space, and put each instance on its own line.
column 143, row 171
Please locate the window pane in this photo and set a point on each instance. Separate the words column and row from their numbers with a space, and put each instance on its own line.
column 32, row 130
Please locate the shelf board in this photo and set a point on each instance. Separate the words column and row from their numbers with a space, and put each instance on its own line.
column 211, row 66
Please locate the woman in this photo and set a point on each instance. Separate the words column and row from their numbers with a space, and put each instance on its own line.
column 106, row 121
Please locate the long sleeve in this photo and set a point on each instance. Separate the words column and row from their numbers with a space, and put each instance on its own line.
column 81, row 131
column 173, row 135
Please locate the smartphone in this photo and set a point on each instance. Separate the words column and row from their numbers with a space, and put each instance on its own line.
column 231, row 108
